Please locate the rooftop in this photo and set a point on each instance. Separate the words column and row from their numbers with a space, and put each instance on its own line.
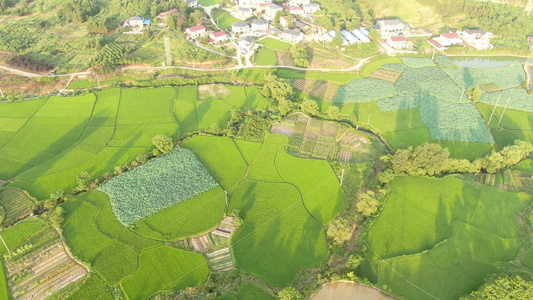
column 450, row 35
column 474, row 31
column 246, row 9
column 219, row 33
column 392, row 22
column 136, row 18
column 259, row 22
column 248, row 39
column 239, row 24
column 398, row 39
column 196, row 28
column 435, row 43
column 293, row 32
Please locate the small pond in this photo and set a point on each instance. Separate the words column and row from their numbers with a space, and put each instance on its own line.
column 486, row 61
column 348, row 291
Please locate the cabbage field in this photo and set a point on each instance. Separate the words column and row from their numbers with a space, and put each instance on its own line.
column 161, row 183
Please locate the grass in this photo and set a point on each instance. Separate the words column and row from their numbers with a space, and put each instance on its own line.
column 370, row 67
column 439, row 237
column 208, row 2
column 266, row 57
column 221, row 158
column 278, row 237
column 163, row 269
column 333, row 77
column 248, row 150
column 197, row 214
column 223, row 18
column 81, row 84
column 4, row 293
column 275, row 44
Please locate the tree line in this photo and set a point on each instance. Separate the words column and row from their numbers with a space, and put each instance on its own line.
column 28, row 63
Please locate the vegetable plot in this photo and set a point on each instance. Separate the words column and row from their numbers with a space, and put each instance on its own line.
column 159, row 184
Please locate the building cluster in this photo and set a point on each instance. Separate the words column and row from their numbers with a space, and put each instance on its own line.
column 136, row 24
column 476, row 38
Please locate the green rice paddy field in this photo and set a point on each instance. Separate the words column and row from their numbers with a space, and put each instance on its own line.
column 437, row 238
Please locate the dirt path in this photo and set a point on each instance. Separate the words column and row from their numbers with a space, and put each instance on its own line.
column 67, row 250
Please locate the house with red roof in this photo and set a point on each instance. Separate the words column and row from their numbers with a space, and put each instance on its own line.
column 446, row 40
column 195, row 32
column 218, row 37
column 397, row 42
column 163, row 16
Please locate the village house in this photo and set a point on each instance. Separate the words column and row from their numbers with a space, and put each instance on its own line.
column 270, row 11
column 259, row 26
column 292, row 35
column 299, row 2
column 295, row 10
column 276, row 31
column 393, row 27
column 218, row 37
column 285, row 21
column 246, row 44
column 137, row 24
column 362, row 35
column 477, row 38
column 244, row 12
column 240, row 28
column 192, row 3
column 445, row 40
column 195, row 32
column 397, row 42
column 311, row 8
column 252, row 3
column 163, row 16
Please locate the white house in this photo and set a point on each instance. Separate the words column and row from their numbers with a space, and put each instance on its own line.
column 271, row 10
column 240, row 28
column 244, row 12
column 137, row 24
column 292, row 35
column 284, row 21
column 192, row 3
column 246, row 44
column 311, row 8
column 259, row 26
column 393, row 27
column 218, row 37
column 397, row 42
column 478, row 38
column 445, row 40
column 295, row 10
column 195, row 32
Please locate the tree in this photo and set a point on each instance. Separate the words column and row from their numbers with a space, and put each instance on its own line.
column 309, row 107
column 333, row 112
column 171, row 22
column 57, row 216
column 142, row 158
column 300, row 56
column 57, row 195
column 337, row 39
column 475, row 93
column 503, row 288
column 289, row 293
column 353, row 262
column 339, row 231
column 254, row 128
column 367, row 204
column 163, row 143
column 84, row 181
column 196, row 17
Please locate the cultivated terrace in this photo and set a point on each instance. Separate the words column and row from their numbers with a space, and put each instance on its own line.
column 255, row 149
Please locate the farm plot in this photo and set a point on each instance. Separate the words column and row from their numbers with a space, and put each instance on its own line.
column 385, row 75
column 15, row 204
column 93, row 288
column 266, row 57
column 519, row 99
column 54, row 127
column 317, row 139
column 437, row 237
column 417, row 62
column 133, row 194
column 40, row 266
column 503, row 77
column 514, row 124
column 429, row 81
column 278, row 237
column 363, row 90
column 163, row 269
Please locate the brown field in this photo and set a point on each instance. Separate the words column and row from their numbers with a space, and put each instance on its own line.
column 386, row 75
